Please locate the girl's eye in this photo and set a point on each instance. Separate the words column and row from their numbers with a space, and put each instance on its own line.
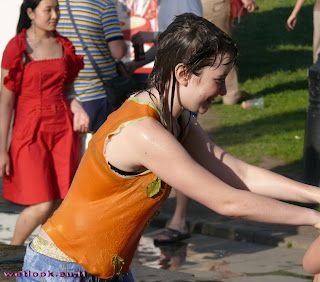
column 220, row 81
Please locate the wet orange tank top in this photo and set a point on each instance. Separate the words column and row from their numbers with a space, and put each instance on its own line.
column 100, row 222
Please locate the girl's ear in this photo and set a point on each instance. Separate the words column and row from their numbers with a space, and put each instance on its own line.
column 30, row 14
column 181, row 73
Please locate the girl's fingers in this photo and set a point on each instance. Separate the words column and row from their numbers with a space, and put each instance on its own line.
column 7, row 169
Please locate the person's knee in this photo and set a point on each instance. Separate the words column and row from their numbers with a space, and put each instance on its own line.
column 42, row 210
column 309, row 263
column 306, row 264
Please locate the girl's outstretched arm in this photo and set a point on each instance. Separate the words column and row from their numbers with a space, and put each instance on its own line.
column 7, row 98
column 241, row 175
column 155, row 148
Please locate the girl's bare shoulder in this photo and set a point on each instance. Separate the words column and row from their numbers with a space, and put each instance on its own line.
column 147, row 96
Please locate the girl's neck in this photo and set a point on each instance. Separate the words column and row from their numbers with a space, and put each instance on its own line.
column 170, row 114
column 35, row 33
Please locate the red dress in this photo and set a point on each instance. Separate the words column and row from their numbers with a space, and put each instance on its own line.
column 44, row 149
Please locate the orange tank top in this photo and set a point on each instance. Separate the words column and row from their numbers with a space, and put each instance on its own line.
column 100, row 222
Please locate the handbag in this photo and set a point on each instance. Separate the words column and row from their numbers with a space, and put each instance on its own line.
column 119, row 88
column 237, row 9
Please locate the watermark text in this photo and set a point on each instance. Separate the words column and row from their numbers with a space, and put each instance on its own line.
column 44, row 274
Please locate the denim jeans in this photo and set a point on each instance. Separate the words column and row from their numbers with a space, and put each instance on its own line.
column 38, row 267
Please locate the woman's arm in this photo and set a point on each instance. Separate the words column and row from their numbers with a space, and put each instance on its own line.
column 80, row 117
column 153, row 147
column 118, row 48
column 6, row 108
column 292, row 20
column 241, row 175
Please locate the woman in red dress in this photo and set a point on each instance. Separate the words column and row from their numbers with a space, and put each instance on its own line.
column 37, row 70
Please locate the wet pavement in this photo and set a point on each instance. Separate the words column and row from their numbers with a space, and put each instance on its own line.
column 210, row 258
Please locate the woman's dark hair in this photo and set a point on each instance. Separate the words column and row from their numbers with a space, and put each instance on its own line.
column 24, row 20
column 193, row 41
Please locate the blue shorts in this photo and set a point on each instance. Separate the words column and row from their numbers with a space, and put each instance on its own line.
column 98, row 111
column 38, row 267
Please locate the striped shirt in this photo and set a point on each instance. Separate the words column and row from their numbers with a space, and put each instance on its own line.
column 98, row 24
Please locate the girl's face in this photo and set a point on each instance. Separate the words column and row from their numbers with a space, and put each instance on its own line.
column 46, row 15
column 200, row 91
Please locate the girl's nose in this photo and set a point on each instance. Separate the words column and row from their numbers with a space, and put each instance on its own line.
column 223, row 89
column 55, row 14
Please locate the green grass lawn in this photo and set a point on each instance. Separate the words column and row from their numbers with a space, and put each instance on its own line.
column 273, row 64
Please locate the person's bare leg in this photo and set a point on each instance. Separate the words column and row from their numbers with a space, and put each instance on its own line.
column 178, row 221
column 29, row 219
column 56, row 204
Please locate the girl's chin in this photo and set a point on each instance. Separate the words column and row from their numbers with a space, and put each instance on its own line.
column 203, row 110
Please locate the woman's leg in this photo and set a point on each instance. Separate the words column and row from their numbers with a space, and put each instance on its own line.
column 29, row 219
column 56, row 204
column 178, row 221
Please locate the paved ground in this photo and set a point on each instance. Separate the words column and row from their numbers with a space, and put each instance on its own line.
column 210, row 258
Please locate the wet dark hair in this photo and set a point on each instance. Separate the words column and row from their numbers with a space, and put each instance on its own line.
column 24, row 20
column 193, row 41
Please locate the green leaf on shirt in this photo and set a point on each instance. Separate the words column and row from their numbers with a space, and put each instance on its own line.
column 118, row 263
column 153, row 188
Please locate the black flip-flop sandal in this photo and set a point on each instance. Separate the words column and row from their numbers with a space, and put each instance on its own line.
column 174, row 236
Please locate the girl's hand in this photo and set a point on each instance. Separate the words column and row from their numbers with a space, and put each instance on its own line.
column 81, row 121
column 4, row 164
column 291, row 22
column 249, row 5
column 80, row 117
